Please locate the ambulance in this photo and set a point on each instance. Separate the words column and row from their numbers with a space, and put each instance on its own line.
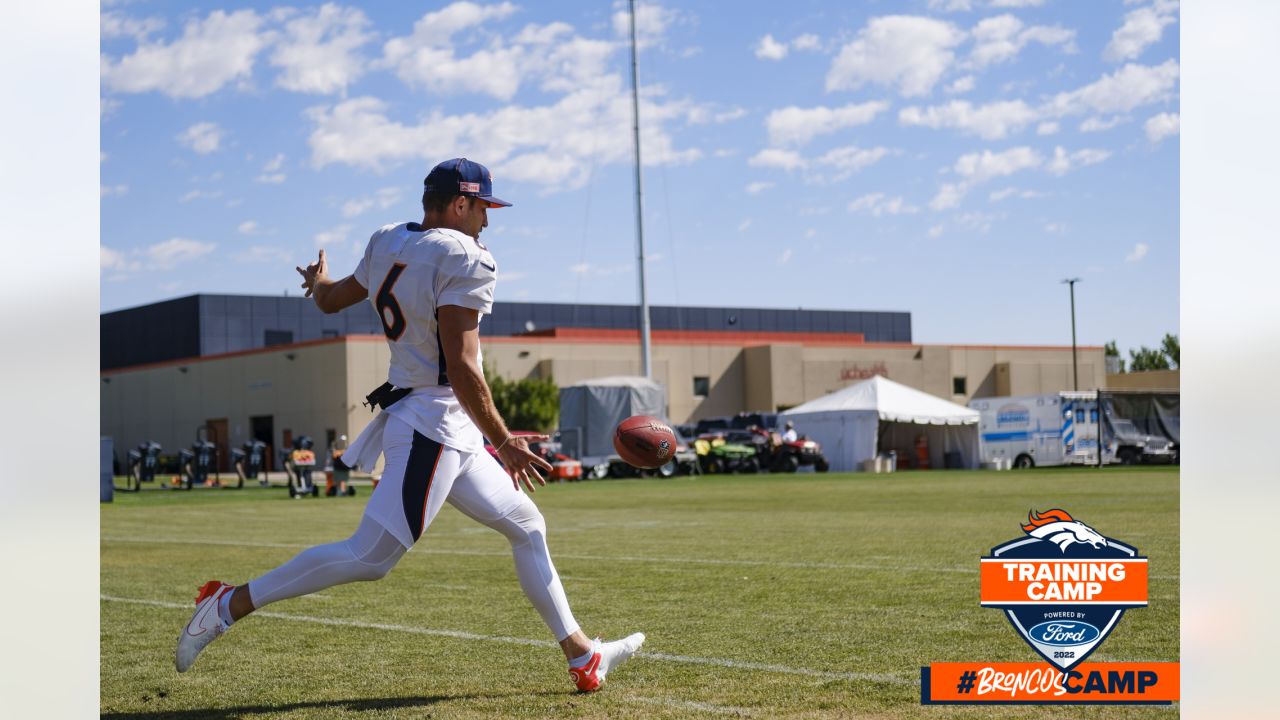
column 1040, row 430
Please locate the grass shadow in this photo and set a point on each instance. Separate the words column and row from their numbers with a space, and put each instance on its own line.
column 356, row 705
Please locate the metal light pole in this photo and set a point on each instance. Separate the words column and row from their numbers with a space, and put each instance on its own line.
column 645, row 358
column 1075, row 369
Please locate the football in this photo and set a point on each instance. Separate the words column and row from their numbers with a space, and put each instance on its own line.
column 645, row 442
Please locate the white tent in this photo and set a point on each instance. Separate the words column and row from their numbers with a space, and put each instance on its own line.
column 877, row 416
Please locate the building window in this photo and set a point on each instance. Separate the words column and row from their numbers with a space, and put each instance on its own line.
column 328, row 333
column 958, row 386
column 701, row 386
column 277, row 337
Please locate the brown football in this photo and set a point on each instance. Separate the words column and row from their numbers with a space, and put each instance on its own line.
column 645, row 442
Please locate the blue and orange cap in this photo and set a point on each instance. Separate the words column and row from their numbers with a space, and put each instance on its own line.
column 461, row 176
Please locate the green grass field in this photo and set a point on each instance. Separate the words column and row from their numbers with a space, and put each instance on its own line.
column 762, row 596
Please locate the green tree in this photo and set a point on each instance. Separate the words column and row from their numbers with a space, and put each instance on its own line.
column 528, row 404
column 1171, row 347
column 1111, row 351
column 1145, row 358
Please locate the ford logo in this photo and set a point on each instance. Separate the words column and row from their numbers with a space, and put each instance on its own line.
column 1064, row 633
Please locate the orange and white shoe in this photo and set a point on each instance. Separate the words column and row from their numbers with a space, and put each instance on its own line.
column 590, row 676
column 205, row 625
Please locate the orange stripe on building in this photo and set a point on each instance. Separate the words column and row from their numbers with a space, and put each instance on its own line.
column 1063, row 582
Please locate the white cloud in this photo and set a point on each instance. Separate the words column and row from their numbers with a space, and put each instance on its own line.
column 807, row 42
column 114, row 24
column 935, row 231
column 949, row 196
column 908, row 52
column 991, row 121
column 756, row 188
column 1097, row 124
column 211, row 53
column 271, row 171
column 984, row 166
column 1064, row 161
column 951, row 5
column 775, row 158
column 117, row 190
column 652, row 21
column 174, row 251
column 202, row 138
column 1161, row 126
column 1129, row 87
column 742, row 226
column 319, row 51
column 264, row 254
column 248, row 227
column 1055, row 229
column 729, row 115
column 1016, row 3
column 1003, row 194
column 426, row 58
column 107, row 107
column 976, row 221
column 1047, row 128
column 200, row 195
column 977, row 168
column 850, row 159
column 554, row 145
column 878, row 204
column 1142, row 27
column 785, row 257
column 115, row 260
column 999, row 39
column 961, row 85
column 334, row 237
column 1139, row 251
column 770, row 49
column 382, row 199
column 797, row 126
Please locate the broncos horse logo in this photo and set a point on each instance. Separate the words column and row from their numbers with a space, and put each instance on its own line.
column 1059, row 528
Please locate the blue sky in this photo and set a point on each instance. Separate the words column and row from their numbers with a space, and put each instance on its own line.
column 951, row 158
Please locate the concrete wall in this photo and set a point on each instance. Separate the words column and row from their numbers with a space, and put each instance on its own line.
column 780, row 375
column 167, row 402
column 324, row 385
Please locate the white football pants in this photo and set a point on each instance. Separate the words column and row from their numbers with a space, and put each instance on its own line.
column 420, row 474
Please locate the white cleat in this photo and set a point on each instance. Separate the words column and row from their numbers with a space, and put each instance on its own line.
column 205, row 626
column 590, row 676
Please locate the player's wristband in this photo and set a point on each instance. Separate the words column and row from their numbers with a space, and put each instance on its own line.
column 504, row 443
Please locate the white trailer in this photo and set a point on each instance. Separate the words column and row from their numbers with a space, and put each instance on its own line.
column 1058, row 429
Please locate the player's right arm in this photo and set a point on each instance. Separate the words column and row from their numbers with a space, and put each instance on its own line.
column 459, row 329
column 331, row 296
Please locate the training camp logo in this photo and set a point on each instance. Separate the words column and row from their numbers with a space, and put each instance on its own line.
column 1063, row 586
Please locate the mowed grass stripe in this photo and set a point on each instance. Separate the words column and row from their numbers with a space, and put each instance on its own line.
column 464, row 635
column 578, row 556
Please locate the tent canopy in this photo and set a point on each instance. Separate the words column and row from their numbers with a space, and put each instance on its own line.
column 891, row 401
column 590, row 410
column 878, row 415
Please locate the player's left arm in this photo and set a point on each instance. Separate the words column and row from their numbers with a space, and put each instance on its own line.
column 459, row 329
column 331, row 295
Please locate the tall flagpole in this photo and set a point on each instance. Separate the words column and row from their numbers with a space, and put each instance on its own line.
column 645, row 354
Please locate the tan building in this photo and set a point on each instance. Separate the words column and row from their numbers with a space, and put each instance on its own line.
column 317, row 387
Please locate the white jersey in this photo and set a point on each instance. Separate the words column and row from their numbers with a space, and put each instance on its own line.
column 410, row 271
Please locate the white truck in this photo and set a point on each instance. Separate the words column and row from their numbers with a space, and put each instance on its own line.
column 1040, row 430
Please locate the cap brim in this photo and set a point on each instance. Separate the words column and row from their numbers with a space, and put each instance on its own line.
column 493, row 201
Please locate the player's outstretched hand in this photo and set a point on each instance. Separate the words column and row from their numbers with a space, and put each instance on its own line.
column 315, row 272
column 522, row 463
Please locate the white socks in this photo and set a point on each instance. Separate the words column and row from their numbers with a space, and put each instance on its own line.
column 585, row 658
column 224, row 608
